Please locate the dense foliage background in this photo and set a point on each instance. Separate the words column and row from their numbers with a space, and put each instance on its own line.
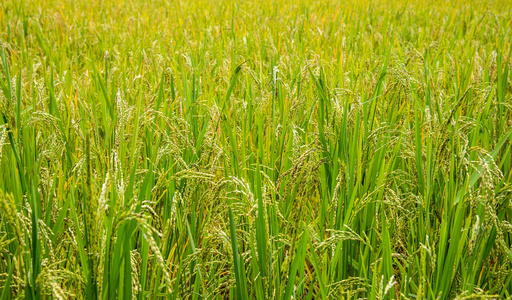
column 255, row 149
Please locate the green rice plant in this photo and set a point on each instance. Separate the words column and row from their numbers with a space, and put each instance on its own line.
column 256, row 149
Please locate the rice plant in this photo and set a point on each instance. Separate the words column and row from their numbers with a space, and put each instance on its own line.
column 221, row 149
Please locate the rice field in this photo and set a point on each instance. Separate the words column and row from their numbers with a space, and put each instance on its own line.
column 224, row 149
